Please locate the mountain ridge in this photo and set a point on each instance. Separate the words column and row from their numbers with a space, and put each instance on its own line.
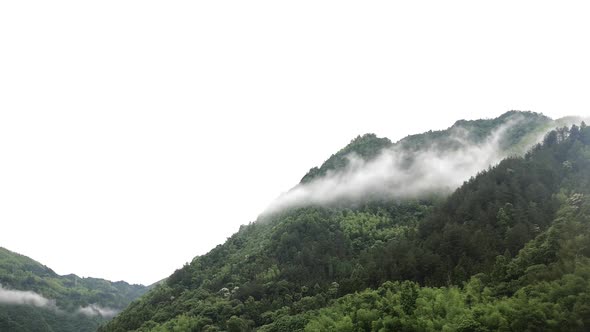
column 288, row 272
column 57, row 302
column 370, row 145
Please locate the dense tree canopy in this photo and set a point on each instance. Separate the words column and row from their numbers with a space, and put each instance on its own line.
column 506, row 251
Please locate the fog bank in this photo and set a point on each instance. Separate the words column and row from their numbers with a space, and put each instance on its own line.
column 398, row 173
column 17, row 297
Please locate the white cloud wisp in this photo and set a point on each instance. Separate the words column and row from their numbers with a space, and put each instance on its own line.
column 18, row 297
column 94, row 310
column 398, row 173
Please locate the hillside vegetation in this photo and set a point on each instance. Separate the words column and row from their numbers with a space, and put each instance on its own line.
column 38, row 299
column 507, row 251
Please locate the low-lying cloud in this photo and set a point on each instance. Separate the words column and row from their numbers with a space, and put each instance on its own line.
column 398, row 173
column 94, row 310
column 30, row 298
column 17, row 297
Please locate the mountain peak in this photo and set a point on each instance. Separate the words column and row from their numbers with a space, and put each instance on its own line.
column 525, row 130
column 366, row 146
column 507, row 242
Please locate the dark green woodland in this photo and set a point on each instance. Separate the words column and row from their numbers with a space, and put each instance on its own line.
column 509, row 250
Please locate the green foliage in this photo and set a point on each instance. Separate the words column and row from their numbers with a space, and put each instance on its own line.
column 507, row 251
column 523, row 129
column 548, row 297
column 367, row 147
column 70, row 293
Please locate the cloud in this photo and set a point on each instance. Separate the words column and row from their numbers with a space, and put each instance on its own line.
column 94, row 310
column 398, row 173
column 17, row 297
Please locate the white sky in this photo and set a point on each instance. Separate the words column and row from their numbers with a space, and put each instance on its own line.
column 135, row 135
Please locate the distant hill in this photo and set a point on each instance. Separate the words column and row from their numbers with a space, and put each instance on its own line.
column 506, row 251
column 34, row 298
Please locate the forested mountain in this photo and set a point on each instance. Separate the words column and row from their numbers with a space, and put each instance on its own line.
column 523, row 130
column 34, row 298
column 509, row 250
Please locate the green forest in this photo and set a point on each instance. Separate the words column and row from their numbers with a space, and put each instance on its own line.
column 507, row 251
column 67, row 295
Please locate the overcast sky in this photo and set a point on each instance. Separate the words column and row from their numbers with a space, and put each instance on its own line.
column 135, row 135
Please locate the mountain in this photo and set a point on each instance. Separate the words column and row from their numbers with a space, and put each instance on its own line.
column 34, row 298
column 505, row 251
column 524, row 129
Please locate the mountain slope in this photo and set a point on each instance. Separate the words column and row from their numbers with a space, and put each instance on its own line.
column 34, row 298
column 276, row 274
column 367, row 146
column 524, row 129
column 544, row 288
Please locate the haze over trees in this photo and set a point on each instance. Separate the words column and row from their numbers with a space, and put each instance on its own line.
column 508, row 250
column 34, row 298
